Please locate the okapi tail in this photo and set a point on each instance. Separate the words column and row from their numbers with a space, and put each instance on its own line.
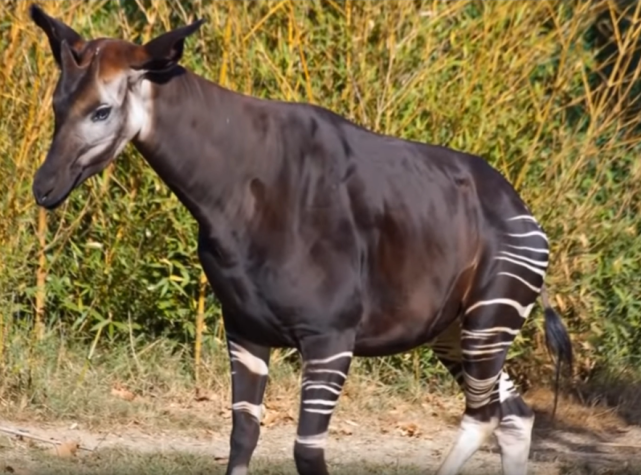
column 557, row 341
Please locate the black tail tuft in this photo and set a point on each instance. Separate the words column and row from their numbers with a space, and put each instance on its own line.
column 558, row 343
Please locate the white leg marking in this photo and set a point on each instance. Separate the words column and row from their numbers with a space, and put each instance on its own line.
column 322, row 402
column 525, row 259
column 332, row 371
column 522, row 311
column 514, row 261
column 319, row 411
column 488, row 332
column 321, row 386
column 344, row 354
column 514, row 436
column 329, row 383
column 251, row 362
column 535, row 289
column 531, row 233
column 487, row 349
column 506, row 387
column 472, row 434
column 524, row 216
column 478, row 391
column 313, row 441
column 254, row 410
column 533, row 249
column 239, row 470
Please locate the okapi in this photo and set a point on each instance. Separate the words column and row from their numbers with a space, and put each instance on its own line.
column 316, row 234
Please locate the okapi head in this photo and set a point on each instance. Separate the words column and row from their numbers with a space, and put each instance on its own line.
column 100, row 102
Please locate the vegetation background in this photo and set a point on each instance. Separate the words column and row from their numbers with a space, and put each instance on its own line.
column 547, row 91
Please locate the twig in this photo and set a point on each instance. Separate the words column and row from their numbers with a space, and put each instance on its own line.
column 7, row 430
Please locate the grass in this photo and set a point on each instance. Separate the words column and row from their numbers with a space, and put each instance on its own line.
column 118, row 462
column 54, row 379
column 110, row 462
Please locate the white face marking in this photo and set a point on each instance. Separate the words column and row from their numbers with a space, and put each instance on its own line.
column 123, row 123
column 244, row 357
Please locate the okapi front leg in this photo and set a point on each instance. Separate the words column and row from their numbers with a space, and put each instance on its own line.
column 249, row 369
column 326, row 361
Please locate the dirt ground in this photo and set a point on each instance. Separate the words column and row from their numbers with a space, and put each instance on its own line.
column 402, row 440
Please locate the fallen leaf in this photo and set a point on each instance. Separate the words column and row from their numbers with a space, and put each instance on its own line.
column 409, row 429
column 273, row 416
column 202, row 396
column 123, row 393
column 65, row 450
column 342, row 430
column 221, row 459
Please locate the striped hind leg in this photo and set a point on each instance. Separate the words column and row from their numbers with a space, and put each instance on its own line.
column 515, row 417
column 486, row 331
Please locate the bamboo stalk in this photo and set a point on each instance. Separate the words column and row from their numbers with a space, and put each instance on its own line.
column 41, row 275
column 1, row 340
column 200, row 326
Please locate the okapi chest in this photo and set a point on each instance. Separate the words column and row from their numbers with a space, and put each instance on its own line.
column 316, row 234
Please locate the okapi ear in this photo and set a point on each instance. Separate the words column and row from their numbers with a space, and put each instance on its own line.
column 56, row 31
column 164, row 52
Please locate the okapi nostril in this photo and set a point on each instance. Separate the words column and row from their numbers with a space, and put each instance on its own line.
column 40, row 195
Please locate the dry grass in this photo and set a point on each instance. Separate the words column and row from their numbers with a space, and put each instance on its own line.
column 574, row 415
column 61, row 384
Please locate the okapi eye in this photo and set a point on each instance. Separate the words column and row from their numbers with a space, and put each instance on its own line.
column 101, row 113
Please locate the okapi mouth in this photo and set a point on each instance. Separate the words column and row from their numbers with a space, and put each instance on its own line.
column 56, row 195
column 46, row 200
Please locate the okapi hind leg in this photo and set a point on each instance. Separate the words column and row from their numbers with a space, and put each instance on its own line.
column 326, row 362
column 488, row 328
column 514, row 430
column 249, row 370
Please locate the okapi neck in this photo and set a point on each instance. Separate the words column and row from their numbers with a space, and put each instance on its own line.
column 201, row 143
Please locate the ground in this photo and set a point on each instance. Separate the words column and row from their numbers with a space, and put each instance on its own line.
column 191, row 437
